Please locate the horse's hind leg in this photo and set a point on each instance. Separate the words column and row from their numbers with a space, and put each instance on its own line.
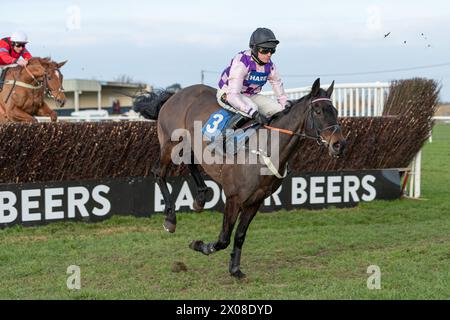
column 200, row 197
column 232, row 208
column 160, row 171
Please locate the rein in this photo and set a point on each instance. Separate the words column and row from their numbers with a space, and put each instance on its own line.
column 39, row 85
column 15, row 83
column 318, row 138
column 24, row 84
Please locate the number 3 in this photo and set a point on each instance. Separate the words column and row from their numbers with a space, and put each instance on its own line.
column 215, row 124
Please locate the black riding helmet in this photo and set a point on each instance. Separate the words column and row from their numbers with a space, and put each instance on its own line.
column 262, row 38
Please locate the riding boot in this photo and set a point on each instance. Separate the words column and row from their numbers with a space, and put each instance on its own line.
column 236, row 121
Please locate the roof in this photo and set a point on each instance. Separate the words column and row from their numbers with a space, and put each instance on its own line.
column 95, row 85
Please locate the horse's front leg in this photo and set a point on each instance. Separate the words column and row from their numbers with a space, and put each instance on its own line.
column 46, row 111
column 18, row 115
column 231, row 212
column 247, row 216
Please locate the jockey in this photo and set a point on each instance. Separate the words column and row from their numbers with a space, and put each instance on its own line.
column 11, row 49
column 247, row 73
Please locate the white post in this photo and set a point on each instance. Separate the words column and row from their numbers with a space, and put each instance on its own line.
column 340, row 113
column 352, row 111
column 77, row 100
column 417, row 169
column 358, row 110
column 375, row 102
column 411, row 179
column 363, row 103
column 346, row 113
column 381, row 100
column 99, row 100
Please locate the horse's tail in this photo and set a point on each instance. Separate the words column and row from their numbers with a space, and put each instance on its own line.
column 149, row 104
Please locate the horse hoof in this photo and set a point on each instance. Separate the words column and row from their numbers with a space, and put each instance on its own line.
column 198, row 207
column 238, row 274
column 196, row 245
column 169, row 226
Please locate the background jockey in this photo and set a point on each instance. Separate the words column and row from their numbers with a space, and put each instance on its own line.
column 11, row 49
column 247, row 73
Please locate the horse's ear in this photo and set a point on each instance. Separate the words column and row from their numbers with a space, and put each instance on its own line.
column 315, row 88
column 61, row 64
column 330, row 90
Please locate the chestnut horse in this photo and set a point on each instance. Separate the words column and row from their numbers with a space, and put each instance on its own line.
column 24, row 90
column 312, row 116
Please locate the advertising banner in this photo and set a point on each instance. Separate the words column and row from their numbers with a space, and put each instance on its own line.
column 96, row 200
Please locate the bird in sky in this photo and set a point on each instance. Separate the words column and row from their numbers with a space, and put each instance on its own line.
column 387, row 34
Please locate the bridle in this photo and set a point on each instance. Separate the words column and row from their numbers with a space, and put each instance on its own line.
column 37, row 84
column 48, row 91
column 318, row 137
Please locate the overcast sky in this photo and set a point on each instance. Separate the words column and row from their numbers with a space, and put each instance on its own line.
column 166, row 42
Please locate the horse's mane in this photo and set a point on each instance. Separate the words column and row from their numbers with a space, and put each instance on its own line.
column 322, row 92
column 45, row 62
column 295, row 104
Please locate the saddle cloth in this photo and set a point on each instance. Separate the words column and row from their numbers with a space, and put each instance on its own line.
column 218, row 137
column 6, row 66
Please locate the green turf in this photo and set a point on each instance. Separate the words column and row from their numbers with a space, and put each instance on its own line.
column 287, row 255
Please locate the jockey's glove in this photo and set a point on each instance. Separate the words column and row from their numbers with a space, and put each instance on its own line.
column 288, row 106
column 258, row 117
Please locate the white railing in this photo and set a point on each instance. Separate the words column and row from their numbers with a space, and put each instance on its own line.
column 445, row 119
column 351, row 99
column 93, row 118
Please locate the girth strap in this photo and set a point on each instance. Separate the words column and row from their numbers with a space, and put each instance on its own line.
column 269, row 164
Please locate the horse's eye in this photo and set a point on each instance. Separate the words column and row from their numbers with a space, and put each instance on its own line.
column 318, row 111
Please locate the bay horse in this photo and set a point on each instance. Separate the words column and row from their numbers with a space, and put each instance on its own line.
column 312, row 116
column 24, row 90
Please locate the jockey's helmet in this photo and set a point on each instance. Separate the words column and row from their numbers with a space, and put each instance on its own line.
column 19, row 36
column 263, row 38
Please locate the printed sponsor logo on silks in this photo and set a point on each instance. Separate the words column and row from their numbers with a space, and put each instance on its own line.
column 257, row 78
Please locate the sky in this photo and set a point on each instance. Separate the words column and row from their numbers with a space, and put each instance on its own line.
column 167, row 42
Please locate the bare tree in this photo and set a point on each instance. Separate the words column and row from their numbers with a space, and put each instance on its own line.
column 174, row 87
column 123, row 78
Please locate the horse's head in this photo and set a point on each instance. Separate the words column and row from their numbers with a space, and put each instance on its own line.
column 322, row 119
column 53, row 78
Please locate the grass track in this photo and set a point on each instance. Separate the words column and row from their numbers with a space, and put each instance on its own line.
column 287, row 255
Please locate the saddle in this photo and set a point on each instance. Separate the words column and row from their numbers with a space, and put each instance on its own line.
column 227, row 130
